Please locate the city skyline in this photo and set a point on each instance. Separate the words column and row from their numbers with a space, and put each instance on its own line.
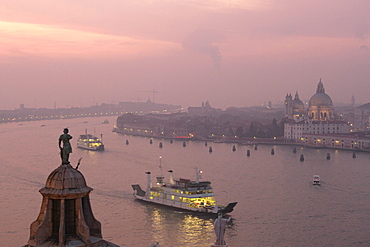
column 231, row 53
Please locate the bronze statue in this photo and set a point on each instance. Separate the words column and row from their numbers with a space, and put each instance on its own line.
column 67, row 148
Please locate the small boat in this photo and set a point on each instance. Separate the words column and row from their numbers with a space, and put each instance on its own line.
column 90, row 142
column 183, row 194
column 316, row 180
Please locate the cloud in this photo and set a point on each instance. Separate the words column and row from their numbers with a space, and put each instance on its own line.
column 202, row 41
column 364, row 48
column 55, row 41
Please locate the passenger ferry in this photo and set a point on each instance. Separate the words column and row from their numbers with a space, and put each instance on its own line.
column 90, row 142
column 316, row 180
column 183, row 193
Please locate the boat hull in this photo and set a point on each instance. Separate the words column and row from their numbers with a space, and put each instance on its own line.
column 177, row 205
column 99, row 148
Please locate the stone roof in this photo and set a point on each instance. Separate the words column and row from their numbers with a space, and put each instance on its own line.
column 364, row 106
column 65, row 181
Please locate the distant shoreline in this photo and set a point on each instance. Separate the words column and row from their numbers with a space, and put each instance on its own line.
column 252, row 141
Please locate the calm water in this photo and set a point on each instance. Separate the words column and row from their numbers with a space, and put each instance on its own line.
column 277, row 205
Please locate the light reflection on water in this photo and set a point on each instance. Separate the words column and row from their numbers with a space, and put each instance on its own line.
column 173, row 227
column 277, row 204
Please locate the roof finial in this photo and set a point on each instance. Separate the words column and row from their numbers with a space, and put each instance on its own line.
column 320, row 87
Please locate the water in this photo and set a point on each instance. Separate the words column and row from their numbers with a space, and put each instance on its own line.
column 277, row 204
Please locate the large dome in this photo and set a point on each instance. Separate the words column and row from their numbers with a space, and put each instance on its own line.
column 320, row 98
column 64, row 181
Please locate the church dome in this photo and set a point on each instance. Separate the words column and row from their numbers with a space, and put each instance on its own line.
column 65, row 181
column 320, row 98
column 298, row 104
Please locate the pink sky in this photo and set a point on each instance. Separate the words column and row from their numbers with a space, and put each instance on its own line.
column 230, row 52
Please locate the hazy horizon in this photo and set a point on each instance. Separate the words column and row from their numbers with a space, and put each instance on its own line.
column 228, row 52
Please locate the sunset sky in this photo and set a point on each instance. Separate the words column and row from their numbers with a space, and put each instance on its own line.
column 229, row 52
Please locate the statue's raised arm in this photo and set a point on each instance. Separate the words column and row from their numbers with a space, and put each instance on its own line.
column 67, row 148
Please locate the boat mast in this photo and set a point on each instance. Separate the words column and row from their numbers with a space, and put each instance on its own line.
column 198, row 177
column 87, row 137
column 160, row 165
column 160, row 178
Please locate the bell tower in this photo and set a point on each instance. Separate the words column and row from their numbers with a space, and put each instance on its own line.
column 289, row 106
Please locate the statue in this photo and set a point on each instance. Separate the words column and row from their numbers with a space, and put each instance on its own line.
column 67, row 148
column 219, row 227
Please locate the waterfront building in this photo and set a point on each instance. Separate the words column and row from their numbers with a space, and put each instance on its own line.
column 153, row 125
column 296, row 130
column 362, row 117
column 319, row 118
column 356, row 141
column 143, row 125
column 205, row 110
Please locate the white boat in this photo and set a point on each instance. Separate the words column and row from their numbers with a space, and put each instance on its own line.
column 90, row 142
column 316, row 180
column 183, row 194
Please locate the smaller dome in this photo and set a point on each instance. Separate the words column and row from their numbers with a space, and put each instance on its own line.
column 65, row 180
column 298, row 104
